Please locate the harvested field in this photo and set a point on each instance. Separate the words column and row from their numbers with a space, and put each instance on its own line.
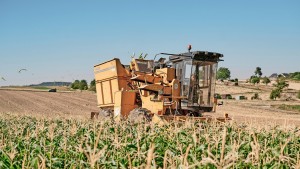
column 46, row 103
column 80, row 104
column 262, row 111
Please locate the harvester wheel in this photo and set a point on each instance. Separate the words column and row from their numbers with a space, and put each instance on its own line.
column 194, row 114
column 139, row 115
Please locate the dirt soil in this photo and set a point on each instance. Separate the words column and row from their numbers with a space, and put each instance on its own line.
column 80, row 104
column 258, row 112
column 262, row 111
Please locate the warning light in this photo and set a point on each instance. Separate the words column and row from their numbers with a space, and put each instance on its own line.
column 189, row 48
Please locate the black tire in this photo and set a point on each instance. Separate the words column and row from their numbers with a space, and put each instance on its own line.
column 194, row 114
column 207, row 109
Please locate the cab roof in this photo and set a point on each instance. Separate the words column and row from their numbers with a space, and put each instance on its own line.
column 196, row 55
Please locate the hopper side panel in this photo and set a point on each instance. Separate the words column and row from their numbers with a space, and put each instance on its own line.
column 99, row 93
column 107, row 92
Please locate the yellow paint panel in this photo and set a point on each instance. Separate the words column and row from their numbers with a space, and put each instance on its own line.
column 99, row 94
column 167, row 73
column 106, row 92
column 154, row 107
column 124, row 102
column 115, row 87
column 106, row 70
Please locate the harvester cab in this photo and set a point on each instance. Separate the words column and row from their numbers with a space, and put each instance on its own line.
column 196, row 72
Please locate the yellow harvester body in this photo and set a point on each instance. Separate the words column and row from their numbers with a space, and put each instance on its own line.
column 158, row 90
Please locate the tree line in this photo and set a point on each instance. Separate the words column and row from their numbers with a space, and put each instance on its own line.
column 83, row 85
column 224, row 73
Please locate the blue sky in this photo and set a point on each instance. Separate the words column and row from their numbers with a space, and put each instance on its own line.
column 62, row 40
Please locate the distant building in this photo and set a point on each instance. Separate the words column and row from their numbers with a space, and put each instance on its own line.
column 273, row 76
column 284, row 74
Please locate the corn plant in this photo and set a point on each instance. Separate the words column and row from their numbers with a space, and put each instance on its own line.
column 42, row 142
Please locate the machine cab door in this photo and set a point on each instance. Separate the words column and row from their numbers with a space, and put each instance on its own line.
column 202, row 83
column 197, row 73
column 198, row 80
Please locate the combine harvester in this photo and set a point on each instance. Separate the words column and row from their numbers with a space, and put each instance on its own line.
column 158, row 91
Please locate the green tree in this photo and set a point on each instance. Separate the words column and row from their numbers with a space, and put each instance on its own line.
column 275, row 94
column 280, row 85
column 93, row 85
column 296, row 77
column 83, row 85
column 75, row 84
column 223, row 73
column 254, row 80
column 258, row 72
column 266, row 80
column 236, row 81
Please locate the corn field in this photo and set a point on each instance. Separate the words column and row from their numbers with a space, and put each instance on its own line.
column 31, row 142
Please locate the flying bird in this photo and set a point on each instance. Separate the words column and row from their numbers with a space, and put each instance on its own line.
column 3, row 78
column 22, row 70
